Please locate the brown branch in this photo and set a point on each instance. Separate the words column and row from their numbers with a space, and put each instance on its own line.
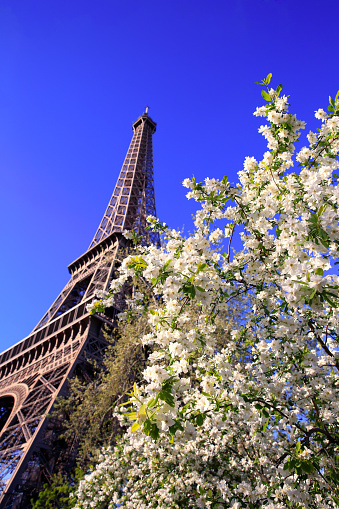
column 314, row 160
column 324, row 346
column 229, row 245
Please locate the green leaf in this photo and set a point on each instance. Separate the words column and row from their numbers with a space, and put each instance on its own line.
column 199, row 419
column 200, row 289
column 289, row 465
column 177, row 425
column 152, row 402
column 142, row 410
column 330, row 301
column 325, row 242
column 201, row 267
column 265, row 425
column 135, row 426
column 268, row 78
column 321, row 210
column 298, row 446
column 312, row 294
column 307, row 466
column 266, row 96
column 126, row 403
column 265, row 412
column 166, row 395
column 151, row 429
column 188, row 289
column 279, row 89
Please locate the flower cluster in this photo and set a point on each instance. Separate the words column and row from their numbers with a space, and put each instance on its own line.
column 254, row 424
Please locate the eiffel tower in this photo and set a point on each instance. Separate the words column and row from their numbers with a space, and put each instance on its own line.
column 34, row 372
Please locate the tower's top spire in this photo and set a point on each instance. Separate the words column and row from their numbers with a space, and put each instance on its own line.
column 133, row 197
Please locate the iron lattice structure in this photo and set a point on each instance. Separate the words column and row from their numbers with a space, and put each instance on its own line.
column 34, row 372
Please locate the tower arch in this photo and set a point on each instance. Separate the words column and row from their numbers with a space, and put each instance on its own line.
column 11, row 399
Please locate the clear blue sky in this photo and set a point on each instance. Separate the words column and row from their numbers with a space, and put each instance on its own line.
column 75, row 74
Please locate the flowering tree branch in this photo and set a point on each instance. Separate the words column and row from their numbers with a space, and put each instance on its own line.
column 252, row 424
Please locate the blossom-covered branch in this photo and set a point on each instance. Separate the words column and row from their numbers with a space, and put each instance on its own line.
column 254, row 424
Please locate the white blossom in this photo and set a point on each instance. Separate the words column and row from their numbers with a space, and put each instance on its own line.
column 253, row 424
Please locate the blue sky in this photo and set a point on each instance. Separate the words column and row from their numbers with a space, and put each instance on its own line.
column 74, row 75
